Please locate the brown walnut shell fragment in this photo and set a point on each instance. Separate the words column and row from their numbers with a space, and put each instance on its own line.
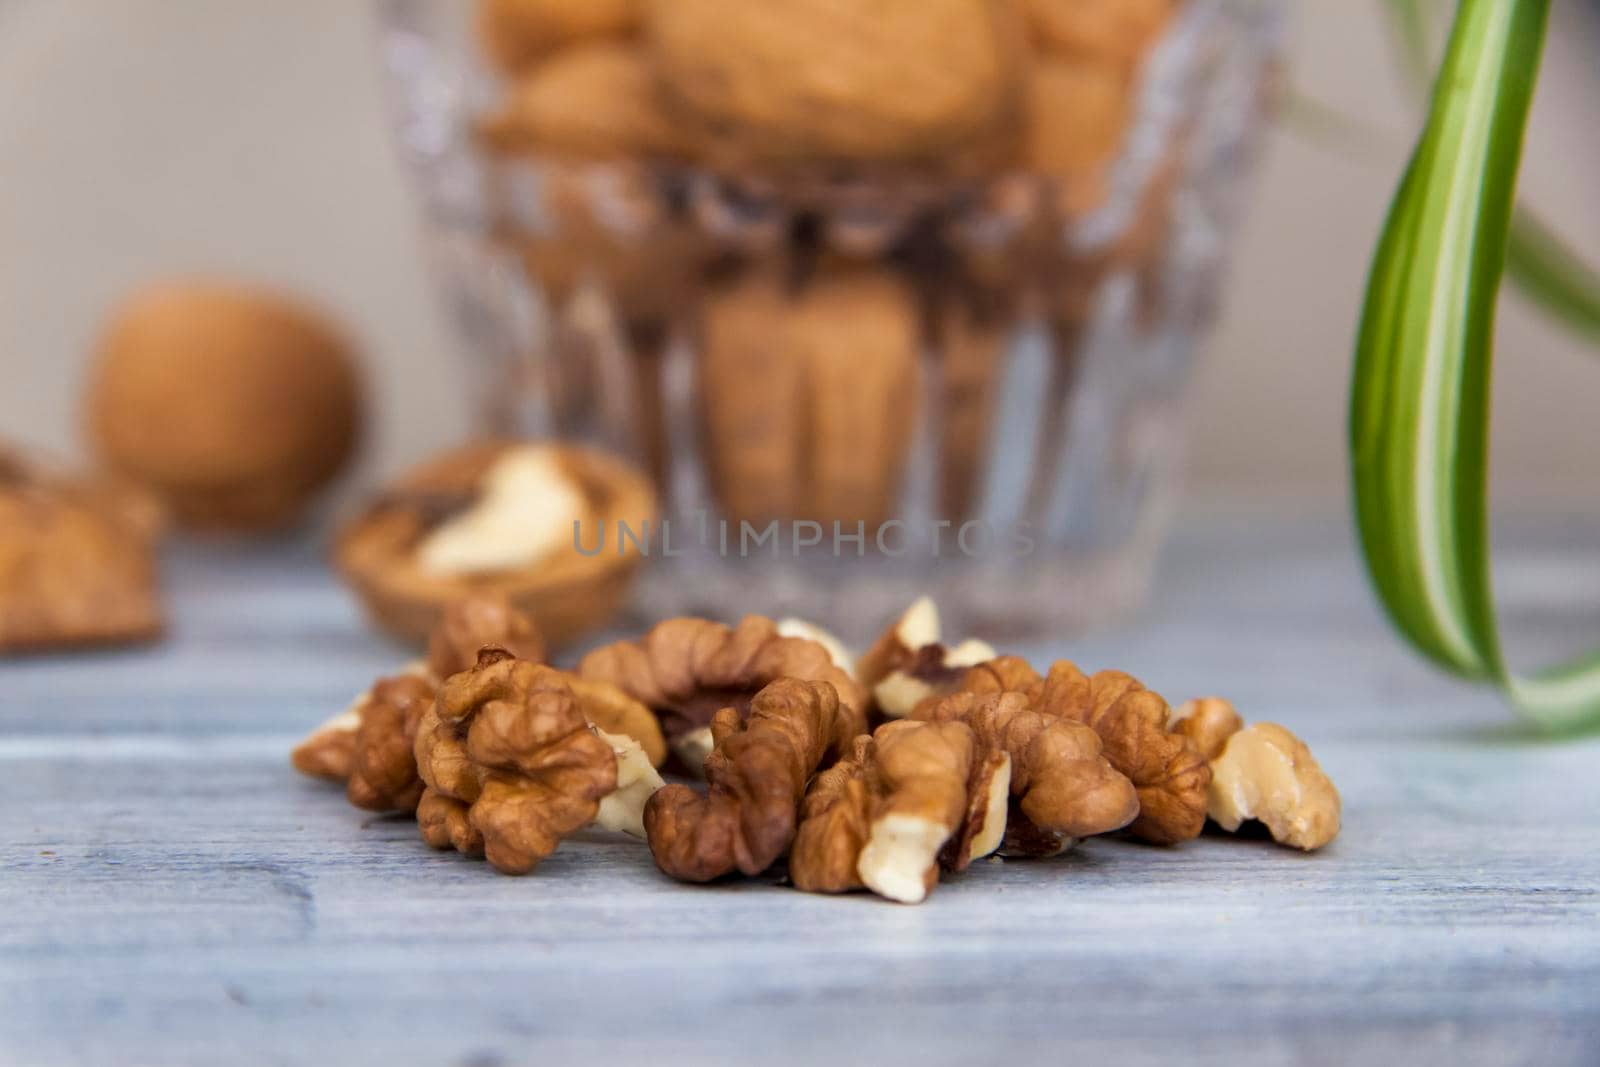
column 756, row 779
column 518, row 33
column 1063, row 787
column 766, row 81
column 908, row 663
column 511, row 766
column 883, row 818
column 1171, row 778
column 499, row 517
column 596, row 101
column 686, row 670
column 77, row 561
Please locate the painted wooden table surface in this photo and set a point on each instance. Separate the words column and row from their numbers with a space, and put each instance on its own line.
column 172, row 892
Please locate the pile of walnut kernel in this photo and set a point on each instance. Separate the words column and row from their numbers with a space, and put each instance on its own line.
column 885, row 772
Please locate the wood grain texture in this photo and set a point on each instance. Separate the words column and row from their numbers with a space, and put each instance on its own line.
column 172, row 892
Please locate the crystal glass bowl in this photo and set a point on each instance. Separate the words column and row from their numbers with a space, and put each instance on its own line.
column 854, row 386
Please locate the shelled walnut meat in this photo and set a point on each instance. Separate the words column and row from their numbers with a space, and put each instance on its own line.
column 687, row 670
column 233, row 404
column 1063, row 788
column 1170, row 776
column 535, row 523
column 369, row 747
column 885, row 817
column 77, row 559
column 503, row 758
column 910, row 663
column 756, row 778
column 1261, row 772
column 509, row 763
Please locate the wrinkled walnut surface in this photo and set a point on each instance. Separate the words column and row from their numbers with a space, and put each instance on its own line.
column 881, row 818
column 687, row 670
column 756, row 779
column 510, row 765
column 1170, row 776
column 1063, row 786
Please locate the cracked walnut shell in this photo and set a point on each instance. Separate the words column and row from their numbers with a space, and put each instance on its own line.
column 686, row 670
column 77, row 561
column 756, row 779
column 1170, row 776
column 499, row 517
column 837, row 80
column 510, row 765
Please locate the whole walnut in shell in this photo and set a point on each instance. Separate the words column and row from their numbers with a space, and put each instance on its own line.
column 1120, row 31
column 593, row 101
column 810, row 395
column 517, row 33
column 233, row 404
column 498, row 517
column 837, row 80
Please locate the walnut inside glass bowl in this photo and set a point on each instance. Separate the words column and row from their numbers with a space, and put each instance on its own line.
column 538, row 523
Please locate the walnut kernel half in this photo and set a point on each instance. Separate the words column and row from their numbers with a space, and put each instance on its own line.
column 1267, row 773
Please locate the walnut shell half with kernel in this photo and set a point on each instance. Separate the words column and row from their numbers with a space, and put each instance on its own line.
column 499, row 517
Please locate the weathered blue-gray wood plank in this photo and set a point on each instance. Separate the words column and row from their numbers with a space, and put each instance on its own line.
column 172, row 892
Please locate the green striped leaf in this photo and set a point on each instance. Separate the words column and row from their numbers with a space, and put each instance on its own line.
column 1420, row 400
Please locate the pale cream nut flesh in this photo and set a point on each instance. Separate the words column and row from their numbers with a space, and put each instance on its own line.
column 898, row 855
column 622, row 810
column 993, row 832
column 525, row 512
column 811, row 632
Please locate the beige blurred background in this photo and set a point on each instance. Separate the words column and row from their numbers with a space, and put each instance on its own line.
column 143, row 137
